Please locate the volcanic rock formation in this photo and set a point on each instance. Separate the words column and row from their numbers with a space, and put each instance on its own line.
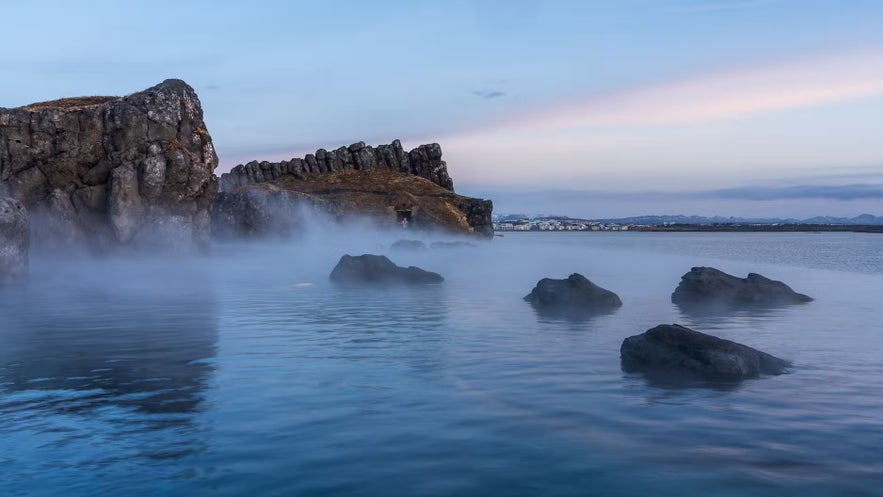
column 424, row 161
column 112, row 171
column 385, row 183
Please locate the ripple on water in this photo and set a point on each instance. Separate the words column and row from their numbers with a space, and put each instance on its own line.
column 250, row 372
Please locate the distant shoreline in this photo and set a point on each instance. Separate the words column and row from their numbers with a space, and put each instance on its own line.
column 689, row 228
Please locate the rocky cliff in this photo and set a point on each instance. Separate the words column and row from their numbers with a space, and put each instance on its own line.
column 112, row 171
column 383, row 183
column 424, row 161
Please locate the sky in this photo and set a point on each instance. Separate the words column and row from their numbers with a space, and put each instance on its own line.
column 587, row 108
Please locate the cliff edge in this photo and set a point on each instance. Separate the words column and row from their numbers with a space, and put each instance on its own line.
column 384, row 183
column 112, row 171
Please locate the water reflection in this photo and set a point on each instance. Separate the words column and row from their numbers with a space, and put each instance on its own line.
column 385, row 308
column 570, row 315
column 715, row 316
column 73, row 345
column 664, row 381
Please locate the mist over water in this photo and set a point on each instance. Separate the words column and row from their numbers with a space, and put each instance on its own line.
column 247, row 371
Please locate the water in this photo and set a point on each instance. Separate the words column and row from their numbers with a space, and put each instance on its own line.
column 247, row 372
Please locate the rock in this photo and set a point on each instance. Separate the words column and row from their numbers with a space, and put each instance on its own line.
column 261, row 211
column 424, row 161
column 573, row 295
column 706, row 285
column 375, row 269
column 448, row 245
column 107, row 170
column 479, row 214
column 368, row 181
column 676, row 351
column 15, row 238
column 409, row 245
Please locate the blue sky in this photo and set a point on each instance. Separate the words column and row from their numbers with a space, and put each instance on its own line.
column 527, row 98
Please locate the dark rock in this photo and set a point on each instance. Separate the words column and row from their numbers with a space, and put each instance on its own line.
column 573, row 295
column 261, row 211
column 15, row 237
column 376, row 269
column 706, row 285
column 140, row 159
column 446, row 245
column 410, row 245
column 479, row 214
column 673, row 350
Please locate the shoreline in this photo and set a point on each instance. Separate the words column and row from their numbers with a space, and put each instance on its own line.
column 794, row 228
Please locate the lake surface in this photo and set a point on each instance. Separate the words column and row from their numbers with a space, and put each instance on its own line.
column 248, row 373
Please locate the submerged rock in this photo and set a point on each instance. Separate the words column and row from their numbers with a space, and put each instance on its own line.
column 707, row 285
column 411, row 245
column 15, row 237
column 369, row 268
column 107, row 170
column 681, row 352
column 576, row 294
column 457, row 244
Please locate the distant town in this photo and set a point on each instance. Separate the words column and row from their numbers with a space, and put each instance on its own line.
column 553, row 224
column 521, row 222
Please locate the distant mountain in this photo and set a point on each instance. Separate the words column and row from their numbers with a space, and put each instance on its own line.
column 654, row 220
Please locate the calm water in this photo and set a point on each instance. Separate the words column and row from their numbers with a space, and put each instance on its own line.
column 249, row 373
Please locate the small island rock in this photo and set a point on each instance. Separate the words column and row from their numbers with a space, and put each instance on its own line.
column 707, row 285
column 409, row 245
column 376, row 269
column 450, row 245
column 574, row 294
column 679, row 351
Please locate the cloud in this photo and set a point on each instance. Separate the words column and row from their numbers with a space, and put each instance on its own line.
column 489, row 94
column 834, row 192
column 705, row 130
column 597, row 204
column 719, row 5
column 858, row 191
column 733, row 94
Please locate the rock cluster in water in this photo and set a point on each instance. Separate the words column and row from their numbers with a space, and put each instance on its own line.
column 378, row 269
column 112, row 171
column 15, row 238
column 675, row 350
column 707, row 285
column 573, row 295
